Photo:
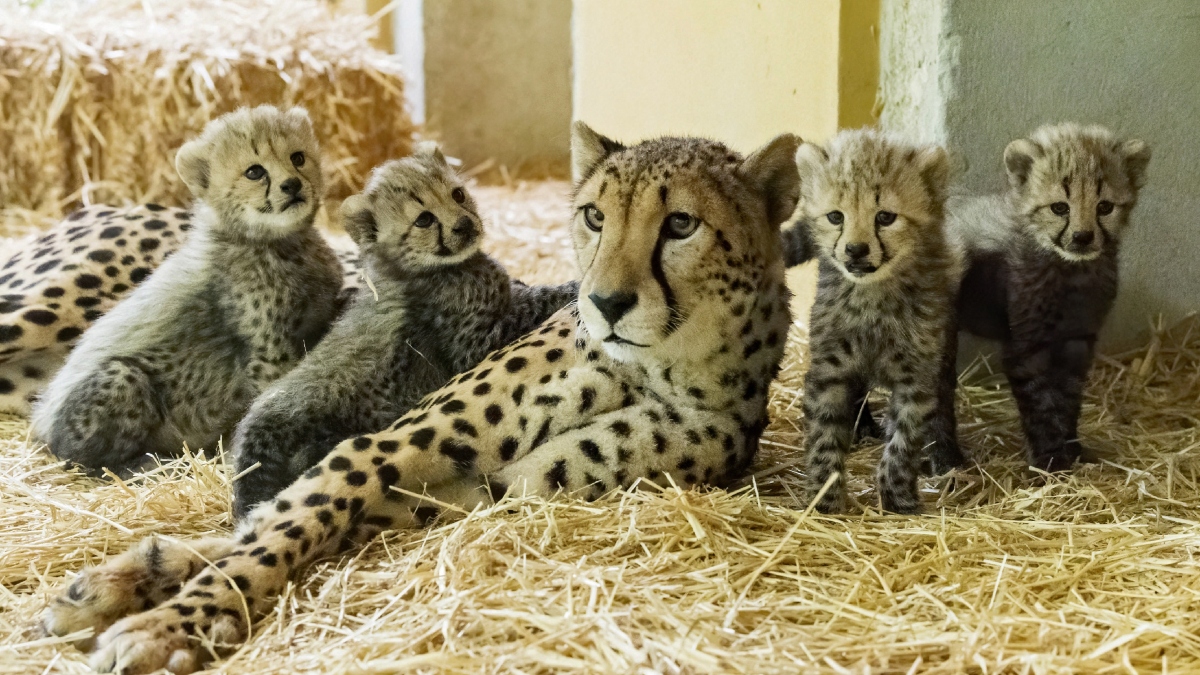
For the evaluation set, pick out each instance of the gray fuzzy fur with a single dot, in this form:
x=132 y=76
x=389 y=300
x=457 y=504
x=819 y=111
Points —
x=427 y=319
x=254 y=287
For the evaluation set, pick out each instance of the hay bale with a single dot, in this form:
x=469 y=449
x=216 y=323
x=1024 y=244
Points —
x=96 y=96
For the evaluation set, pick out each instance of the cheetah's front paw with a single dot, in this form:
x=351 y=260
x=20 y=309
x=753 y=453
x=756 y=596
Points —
x=157 y=639
x=137 y=580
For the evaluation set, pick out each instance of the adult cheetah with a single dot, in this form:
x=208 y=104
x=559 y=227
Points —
x=660 y=372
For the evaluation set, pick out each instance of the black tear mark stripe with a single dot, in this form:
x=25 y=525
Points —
x=660 y=276
x=883 y=252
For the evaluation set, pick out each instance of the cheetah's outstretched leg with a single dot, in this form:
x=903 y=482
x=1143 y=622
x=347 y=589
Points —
x=828 y=407
x=135 y=581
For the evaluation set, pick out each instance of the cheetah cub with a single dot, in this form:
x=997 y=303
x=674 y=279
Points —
x=180 y=360
x=439 y=305
x=1042 y=272
x=885 y=295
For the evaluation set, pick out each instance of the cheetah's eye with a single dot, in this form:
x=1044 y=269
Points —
x=297 y=159
x=424 y=220
x=836 y=217
x=885 y=218
x=1104 y=208
x=680 y=225
x=458 y=195
x=1060 y=208
x=255 y=172
x=593 y=218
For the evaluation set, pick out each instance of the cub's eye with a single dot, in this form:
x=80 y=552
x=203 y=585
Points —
x=1104 y=208
x=255 y=172
x=424 y=220
x=885 y=218
x=1060 y=208
x=680 y=225
x=836 y=217
x=593 y=217
x=297 y=159
x=458 y=195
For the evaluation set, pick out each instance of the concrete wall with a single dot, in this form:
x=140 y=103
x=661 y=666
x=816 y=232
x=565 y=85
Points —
x=498 y=81
x=734 y=70
x=979 y=74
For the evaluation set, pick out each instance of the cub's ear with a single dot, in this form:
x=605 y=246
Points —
x=192 y=164
x=1137 y=156
x=588 y=149
x=359 y=219
x=1018 y=160
x=300 y=116
x=810 y=157
x=771 y=169
x=430 y=150
x=933 y=163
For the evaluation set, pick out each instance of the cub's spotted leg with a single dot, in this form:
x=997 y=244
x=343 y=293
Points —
x=944 y=452
x=91 y=435
x=828 y=407
x=617 y=448
x=913 y=409
x=1048 y=385
x=138 y=579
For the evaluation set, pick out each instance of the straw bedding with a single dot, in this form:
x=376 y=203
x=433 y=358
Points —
x=96 y=95
x=1007 y=572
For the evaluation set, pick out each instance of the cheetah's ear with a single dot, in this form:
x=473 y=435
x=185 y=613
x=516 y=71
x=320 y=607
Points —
x=1137 y=156
x=1018 y=160
x=588 y=149
x=359 y=220
x=772 y=170
x=933 y=163
x=430 y=150
x=192 y=164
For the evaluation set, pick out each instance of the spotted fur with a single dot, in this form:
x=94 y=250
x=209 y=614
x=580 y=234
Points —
x=438 y=305
x=180 y=360
x=672 y=388
x=883 y=315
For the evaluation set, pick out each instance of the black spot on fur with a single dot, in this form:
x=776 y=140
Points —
x=340 y=463
x=518 y=394
x=493 y=414
x=139 y=274
x=111 y=232
x=557 y=475
x=591 y=451
x=462 y=454
x=508 y=448
x=482 y=389
x=388 y=476
x=361 y=443
x=515 y=364
x=316 y=499
x=388 y=447
x=102 y=256
x=65 y=335
x=423 y=437
x=40 y=317
x=453 y=407
x=356 y=479
x=554 y=355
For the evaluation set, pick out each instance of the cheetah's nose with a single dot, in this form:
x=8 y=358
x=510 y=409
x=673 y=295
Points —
x=857 y=250
x=613 y=307
x=1083 y=237
x=290 y=186
x=464 y=226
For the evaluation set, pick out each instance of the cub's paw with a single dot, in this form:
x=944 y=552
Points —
x=944 y=457
x=135 y=581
